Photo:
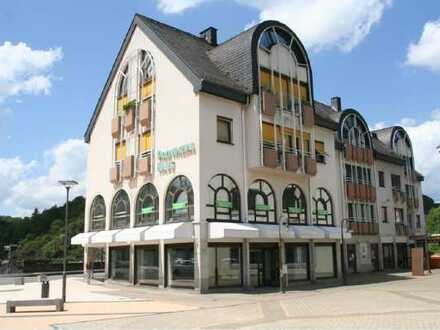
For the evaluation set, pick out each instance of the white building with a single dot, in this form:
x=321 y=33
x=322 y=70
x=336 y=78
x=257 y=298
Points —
x=211 y=165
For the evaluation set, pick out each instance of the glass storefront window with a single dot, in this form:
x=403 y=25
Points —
x=120 y=263
x=325 y=261
x=147 y=265
x=225 y=266
x=181 y=266
x=297 y=260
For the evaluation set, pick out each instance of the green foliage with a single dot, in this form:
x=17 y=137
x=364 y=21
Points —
x=433 y=221
x=41 y=236
x=129 y=105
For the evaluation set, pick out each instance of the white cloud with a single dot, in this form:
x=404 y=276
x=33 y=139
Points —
x=24 y=70
x=425 y=138
x=320 y=24
x=25 y=191
x=177 y=6
x=426 y=52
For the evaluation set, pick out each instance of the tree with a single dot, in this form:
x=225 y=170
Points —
x=433 y=221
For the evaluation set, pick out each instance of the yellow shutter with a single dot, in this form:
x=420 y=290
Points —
x=121 y=150
x=320 y=147
x=268 y=132
x=265 y=79
x=146 y=142
x=147 y=89
x=121 y=102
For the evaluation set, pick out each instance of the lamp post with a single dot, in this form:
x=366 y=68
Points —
x=344 y=262
x=67 y=184
x=282 y=224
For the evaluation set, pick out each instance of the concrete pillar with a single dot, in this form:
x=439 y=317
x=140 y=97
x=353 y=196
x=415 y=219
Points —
x=131 y=270
x=380 y=256
x=246 y=266
x=338 y=259
x=312 y=260
x=201 y=257
x=162 y=263
x=107 y=262
x=395 y=255
x=282 y=258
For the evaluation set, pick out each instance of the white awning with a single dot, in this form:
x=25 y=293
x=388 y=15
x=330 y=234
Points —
x=82 y=238
x=269 y=231
x=335 y=232
x=131 y=234
x=105 y=236
x=232 y=230
x=387 y=239
x=181 y=230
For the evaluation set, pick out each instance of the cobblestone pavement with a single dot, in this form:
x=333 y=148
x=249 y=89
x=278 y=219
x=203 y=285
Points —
x=374 y=301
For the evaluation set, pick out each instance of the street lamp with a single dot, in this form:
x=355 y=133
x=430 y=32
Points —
x=67 y=184
x=344 y=262
x=282 y=225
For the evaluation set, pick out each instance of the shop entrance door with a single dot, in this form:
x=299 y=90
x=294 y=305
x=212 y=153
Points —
x=375 y=256
x=351 y=258
x=264 y=266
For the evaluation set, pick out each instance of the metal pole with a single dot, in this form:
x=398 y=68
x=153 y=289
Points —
x=65 y=245
x=280 y=257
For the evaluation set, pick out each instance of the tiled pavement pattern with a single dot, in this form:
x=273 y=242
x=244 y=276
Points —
x=391 y=302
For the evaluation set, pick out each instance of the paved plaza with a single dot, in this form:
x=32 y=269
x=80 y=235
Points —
x=373 y=301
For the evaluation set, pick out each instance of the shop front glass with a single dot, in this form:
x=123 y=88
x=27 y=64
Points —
x=120 y=263
x=225 y=266
x=325 y=261
x=181 y=266
x=147 y=265
x=297 y=260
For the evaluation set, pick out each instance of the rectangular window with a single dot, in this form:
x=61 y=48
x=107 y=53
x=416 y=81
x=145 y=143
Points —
x=297 y=260
x=225 y=266
x=147 y=265
x=398 y=213
x=372 y=213
x=418 y=222
x=381 y=179
x=350 y=211
x=320 y=151
x=120 y=263
x=145 y=142
x=180 y=266
x=384 y=214
x=348 y=173
x=325 y=261
x=121 y=150
x=395 y=182
x=224 y=130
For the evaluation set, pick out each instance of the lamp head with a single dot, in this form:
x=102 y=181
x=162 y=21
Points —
x=68 y=183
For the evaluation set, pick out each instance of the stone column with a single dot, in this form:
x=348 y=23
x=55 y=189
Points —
x=312 y=260
x=380 y=256
x=339 y=259
x=107 y=262
x=201 y=257
x=131 y=270
x=245 y=261
x=162 y=263
x=395 y=255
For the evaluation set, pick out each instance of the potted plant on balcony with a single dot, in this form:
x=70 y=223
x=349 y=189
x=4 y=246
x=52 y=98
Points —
x=129 y=110
x=130 y=105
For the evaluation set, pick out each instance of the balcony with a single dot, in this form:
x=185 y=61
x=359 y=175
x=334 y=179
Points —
x=115 y=174
x=144 y=165
x=145 y=114
x=401 y=229
x=363 y=228
x=116 y=127
x=308 y=115
x=128 y=167
x=129 y=119
x=349 y=152
x=351 y=190
x=270 y=157
x=368 y=156
x=269 y=103
x=292 y=162
x=310 y=166
x=371 y=193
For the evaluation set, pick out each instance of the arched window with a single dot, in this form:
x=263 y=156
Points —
x=224 y=199
x=179 y=202
x=97 y=214
x=261 y=202
x=120 y=210
x=147 y=206
x=123 y=83
x=355 y=132
x=295 y=205
x=322 y=208
x=147 y=69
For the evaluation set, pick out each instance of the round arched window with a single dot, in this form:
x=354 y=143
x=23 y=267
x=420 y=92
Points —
x=224 y=199
x=120 y=210
x=295 y=205
x=322 y=208
x=147 y=206
x=261 y=202
x=179 y=202
x=97 y=214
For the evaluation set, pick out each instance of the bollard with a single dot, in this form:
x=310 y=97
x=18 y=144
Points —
x=44 y=286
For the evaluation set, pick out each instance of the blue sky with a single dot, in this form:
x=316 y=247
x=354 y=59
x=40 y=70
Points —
x=41 y=127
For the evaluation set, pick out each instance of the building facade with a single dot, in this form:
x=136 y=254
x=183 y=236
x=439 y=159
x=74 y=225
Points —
x=211 y=165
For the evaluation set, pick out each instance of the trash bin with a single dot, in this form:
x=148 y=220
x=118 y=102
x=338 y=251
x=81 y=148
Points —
x=44 y=286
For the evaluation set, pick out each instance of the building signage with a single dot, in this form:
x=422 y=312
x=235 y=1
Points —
x=262 y=207
x=148 y=210
x=223 y=204
x=167 y=158
x=296 y=210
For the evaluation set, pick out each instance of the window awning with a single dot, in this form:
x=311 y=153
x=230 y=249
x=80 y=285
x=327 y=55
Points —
x=219 y=230
x=82 y=238
x=268 y=231
x=335 y=232
x=181 y=230
x=105 y=236
x=131 y=234
x=306 y=232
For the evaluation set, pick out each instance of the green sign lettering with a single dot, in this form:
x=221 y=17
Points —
x=224 y=204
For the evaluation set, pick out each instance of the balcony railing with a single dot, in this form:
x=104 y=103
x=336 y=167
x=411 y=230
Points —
x=363 y=228
x=401 y=229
